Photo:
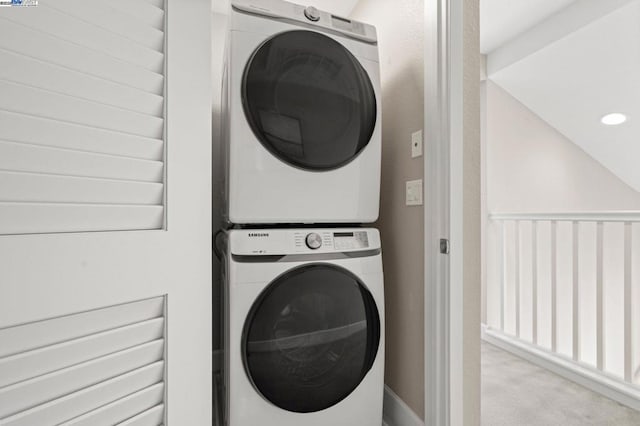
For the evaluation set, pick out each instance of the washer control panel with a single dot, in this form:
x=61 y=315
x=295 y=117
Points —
x=300 y=241
x=334 y=240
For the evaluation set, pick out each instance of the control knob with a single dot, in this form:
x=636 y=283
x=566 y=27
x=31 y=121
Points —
x=312 y=14
x=314 y=241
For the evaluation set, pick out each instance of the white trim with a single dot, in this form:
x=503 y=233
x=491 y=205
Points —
x=586 y=376
x=436 y=212
x=396 y=412
x=462 y=391
x=622 y=216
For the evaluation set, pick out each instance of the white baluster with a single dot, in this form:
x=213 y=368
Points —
x=503 y=281
x=554 y=292
x=534 y=281
x=628 y=305
x=576 y=290
x=599 y=297
x=516 y=282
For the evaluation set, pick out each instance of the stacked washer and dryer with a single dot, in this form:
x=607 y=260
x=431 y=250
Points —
x=303 y=283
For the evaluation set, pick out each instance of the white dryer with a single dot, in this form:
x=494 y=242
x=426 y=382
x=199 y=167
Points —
x=304 y=342
x=302 y=116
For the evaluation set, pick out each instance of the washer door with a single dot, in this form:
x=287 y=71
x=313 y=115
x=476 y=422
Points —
x=308 y=100
x=310 y=338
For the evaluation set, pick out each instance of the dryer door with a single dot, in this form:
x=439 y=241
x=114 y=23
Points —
x=308 y=100
x=311 y=337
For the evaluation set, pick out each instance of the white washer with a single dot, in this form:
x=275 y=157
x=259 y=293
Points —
x=304 y=340
x=301 y=114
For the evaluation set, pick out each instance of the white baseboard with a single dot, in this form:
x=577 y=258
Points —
x=396 y=412
x=584 y=375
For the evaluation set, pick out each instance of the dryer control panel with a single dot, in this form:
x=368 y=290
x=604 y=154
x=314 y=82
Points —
x=308 y=15
x=297 y=241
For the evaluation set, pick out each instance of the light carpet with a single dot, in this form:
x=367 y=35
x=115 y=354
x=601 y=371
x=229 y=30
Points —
x=516 y=392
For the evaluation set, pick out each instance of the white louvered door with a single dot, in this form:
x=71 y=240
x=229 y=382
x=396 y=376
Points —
x=82 y=116
x=105 y=213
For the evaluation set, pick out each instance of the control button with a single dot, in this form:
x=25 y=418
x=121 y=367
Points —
x=314 y=241
x=312 y=14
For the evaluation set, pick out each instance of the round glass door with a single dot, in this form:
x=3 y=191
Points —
x=308 y=100
x=310 y=338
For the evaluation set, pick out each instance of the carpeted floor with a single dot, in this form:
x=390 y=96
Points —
x=518 y=393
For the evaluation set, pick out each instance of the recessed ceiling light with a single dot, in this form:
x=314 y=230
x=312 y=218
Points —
x=613 y=119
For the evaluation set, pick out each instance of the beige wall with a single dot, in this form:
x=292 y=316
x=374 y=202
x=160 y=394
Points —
x=400 y=26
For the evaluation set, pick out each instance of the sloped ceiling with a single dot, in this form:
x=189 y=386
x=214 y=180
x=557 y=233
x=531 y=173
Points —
x=590 y=67
x=502 y=20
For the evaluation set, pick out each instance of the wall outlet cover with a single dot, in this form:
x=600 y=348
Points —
x=414 y=192
x=416 y=144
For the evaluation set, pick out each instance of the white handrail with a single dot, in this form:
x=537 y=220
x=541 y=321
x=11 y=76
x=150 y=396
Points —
x=618 y=216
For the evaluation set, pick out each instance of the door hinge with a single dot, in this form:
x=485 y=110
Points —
x=444 y=246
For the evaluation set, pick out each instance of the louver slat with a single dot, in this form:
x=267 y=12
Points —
x=30 y=393
x=122 y=409
x=46 y=132
x=104 y=15
x=38 y=188
x=38 y=334
x=77 y=403
x=33 y=218
x=66 y=27
x=29 y=71
x=150 y=417
x=69 y=109
x=20 y=157
x=36 y=362
x=38 y=45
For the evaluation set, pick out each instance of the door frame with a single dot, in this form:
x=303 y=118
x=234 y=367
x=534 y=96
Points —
x=436 y=212
x=452 y=136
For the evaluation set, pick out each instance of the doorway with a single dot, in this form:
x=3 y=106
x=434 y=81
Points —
x=560 y=213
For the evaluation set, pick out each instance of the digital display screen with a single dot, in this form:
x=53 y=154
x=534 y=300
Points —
x=343 y=234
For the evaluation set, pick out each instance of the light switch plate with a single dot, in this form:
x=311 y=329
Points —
x=414 y=192
x=416 y=144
